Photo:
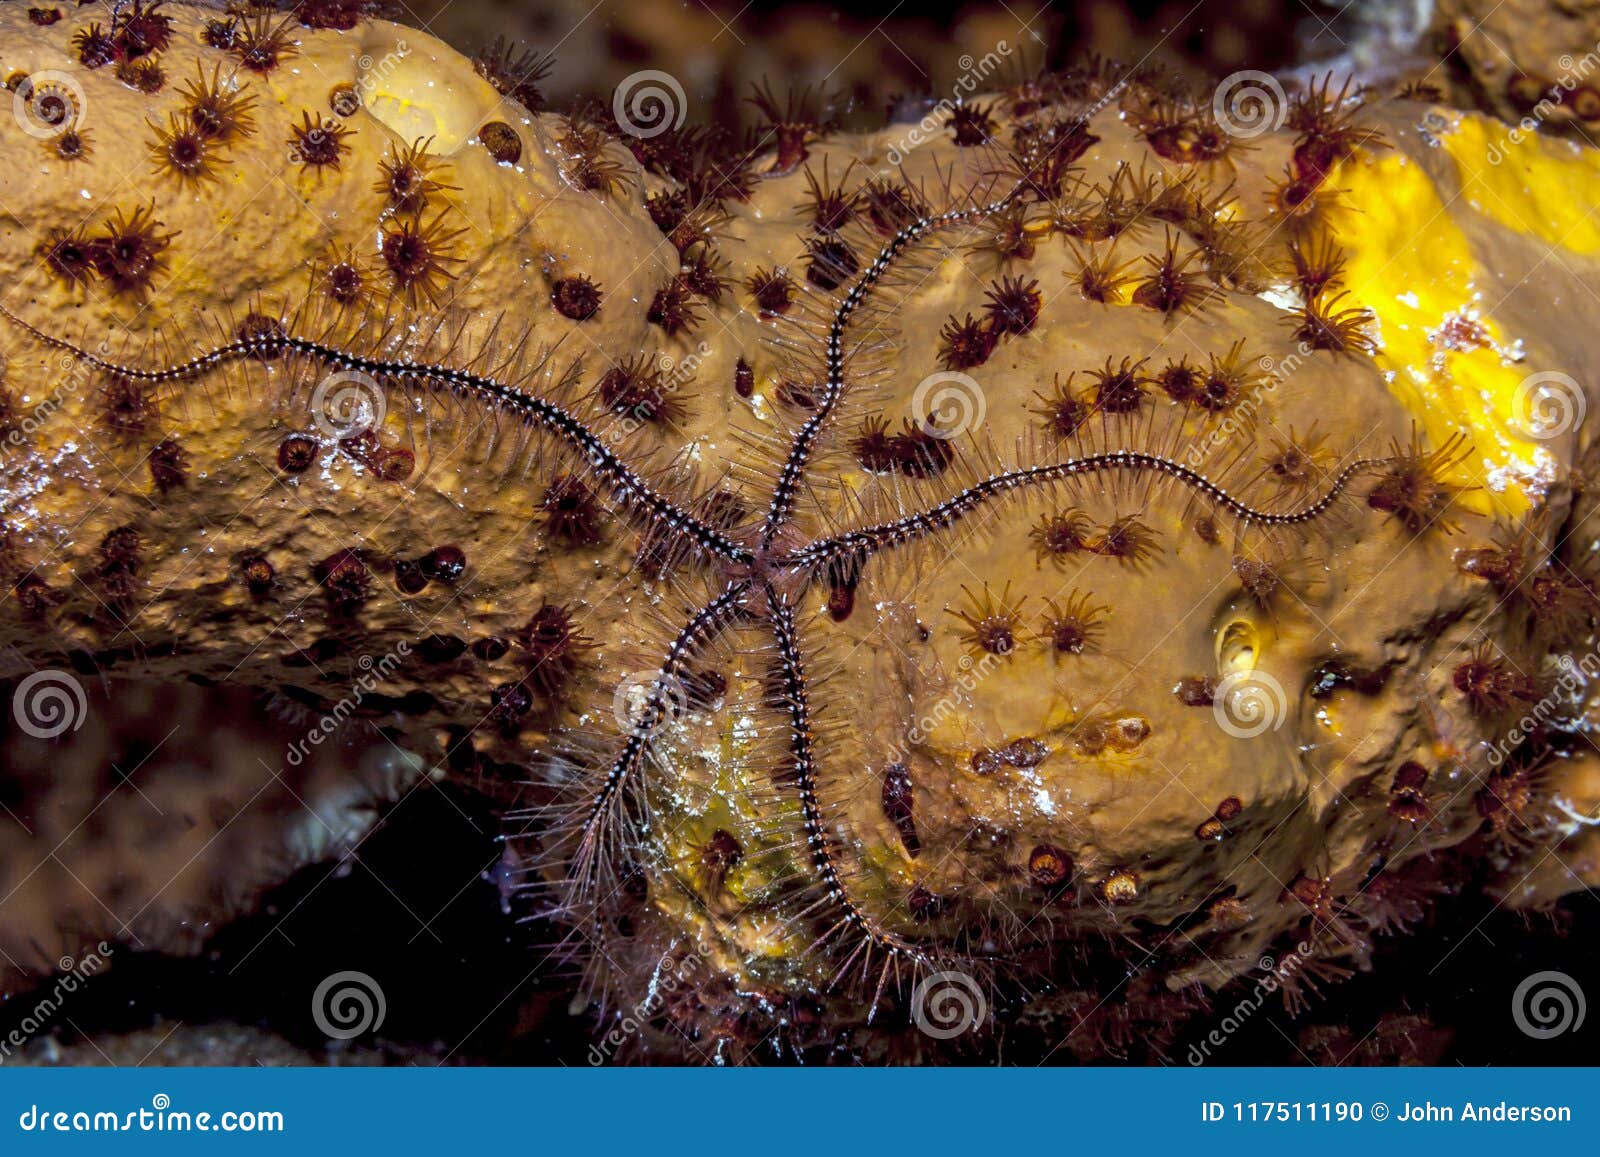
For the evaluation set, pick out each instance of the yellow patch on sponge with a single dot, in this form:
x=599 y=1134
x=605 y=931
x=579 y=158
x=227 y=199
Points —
x=1530 y=183
x=1441 y=351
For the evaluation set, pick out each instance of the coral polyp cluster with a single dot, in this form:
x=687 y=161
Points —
x=1146 y=616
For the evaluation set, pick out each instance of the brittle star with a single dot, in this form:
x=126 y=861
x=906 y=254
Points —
x=764 y=572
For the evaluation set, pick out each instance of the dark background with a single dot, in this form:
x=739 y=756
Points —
x=1435 y=997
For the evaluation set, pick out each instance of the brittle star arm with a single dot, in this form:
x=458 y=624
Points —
x=805 y=439
x=850 y=916
x=703 y=626
x=849 y=549
x=631 y=490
